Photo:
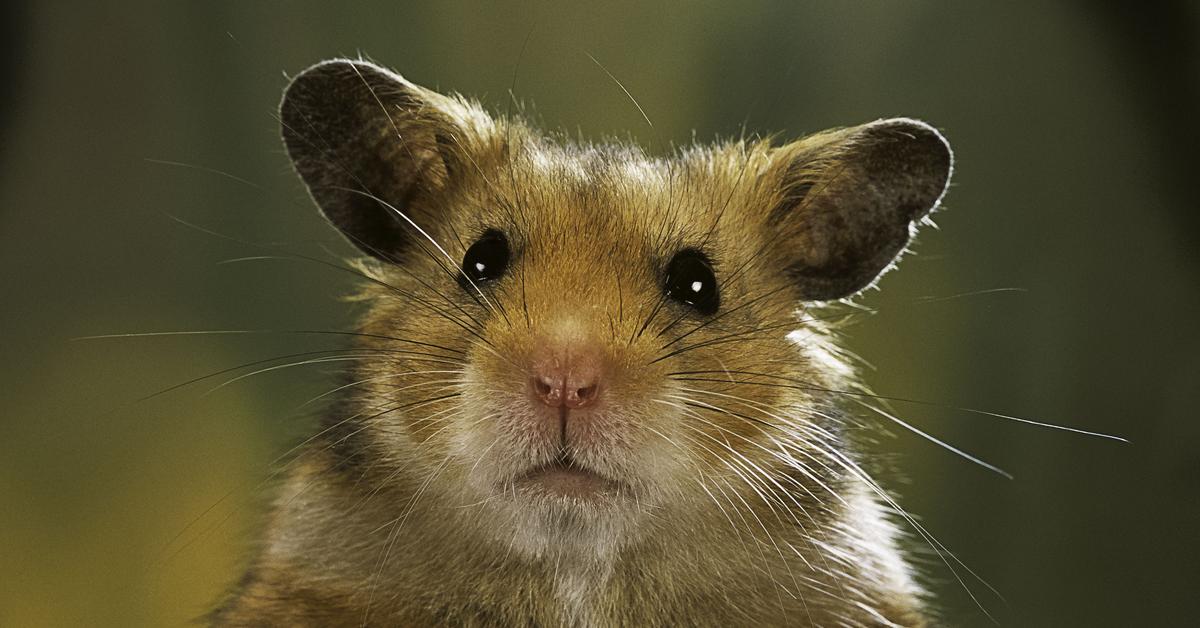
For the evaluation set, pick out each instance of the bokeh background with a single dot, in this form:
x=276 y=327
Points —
x=1076 y=132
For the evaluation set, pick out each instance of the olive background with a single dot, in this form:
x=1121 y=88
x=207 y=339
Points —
x=1076 y=133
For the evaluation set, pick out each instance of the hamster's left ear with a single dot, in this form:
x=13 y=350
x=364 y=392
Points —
x=850 y=200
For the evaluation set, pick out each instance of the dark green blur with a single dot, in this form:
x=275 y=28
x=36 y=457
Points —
x=1076 y=137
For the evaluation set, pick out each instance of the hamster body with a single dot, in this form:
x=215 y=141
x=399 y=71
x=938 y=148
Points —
x=591 y=387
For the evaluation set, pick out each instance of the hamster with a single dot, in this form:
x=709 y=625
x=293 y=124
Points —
x=591 y=387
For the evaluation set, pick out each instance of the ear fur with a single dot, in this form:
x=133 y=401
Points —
x=370 y=145
x=851 y=200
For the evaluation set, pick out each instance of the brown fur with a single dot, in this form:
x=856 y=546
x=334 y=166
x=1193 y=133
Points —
x=742 y=501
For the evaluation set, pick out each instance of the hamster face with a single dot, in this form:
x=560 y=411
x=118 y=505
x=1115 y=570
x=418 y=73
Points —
x=573 y=343
x=573 y=392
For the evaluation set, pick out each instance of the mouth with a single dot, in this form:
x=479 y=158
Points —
x=564 y=477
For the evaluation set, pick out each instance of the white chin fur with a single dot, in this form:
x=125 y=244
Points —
x=555 y=527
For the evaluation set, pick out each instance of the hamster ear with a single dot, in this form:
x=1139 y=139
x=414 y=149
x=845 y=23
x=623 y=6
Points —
x=371 y=146
x=851 y=199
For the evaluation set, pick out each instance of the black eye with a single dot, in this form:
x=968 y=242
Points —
x=487 y=259
x=690 y=280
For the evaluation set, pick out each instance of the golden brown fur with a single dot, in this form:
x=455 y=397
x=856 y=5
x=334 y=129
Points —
x=741 y=499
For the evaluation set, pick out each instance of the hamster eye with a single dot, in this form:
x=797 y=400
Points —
x=487 y=259
x=690 y=280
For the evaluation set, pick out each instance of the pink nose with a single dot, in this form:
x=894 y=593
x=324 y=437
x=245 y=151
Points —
x=570 y=379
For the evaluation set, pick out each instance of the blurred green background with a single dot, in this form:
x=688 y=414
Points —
x=1075 y=127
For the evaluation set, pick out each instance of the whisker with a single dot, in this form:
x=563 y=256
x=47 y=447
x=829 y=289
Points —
x=935 y=440
x=408 y=296
x=799 y=467
x=962 y=295
x=425 y=234
x=619 y=84
x=232 y=369
x=788 y=463
x=231 y=332
x=363 y=245
x=801 y=385
x=375 y=379
x=325 y=360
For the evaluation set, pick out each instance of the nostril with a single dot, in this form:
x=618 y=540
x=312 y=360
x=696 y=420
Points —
x=585 y=395
x=548 y=390
x=579 y=396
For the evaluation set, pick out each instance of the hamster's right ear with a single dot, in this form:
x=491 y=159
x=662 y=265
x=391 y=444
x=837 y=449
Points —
x=850 y=201
x=375 y=150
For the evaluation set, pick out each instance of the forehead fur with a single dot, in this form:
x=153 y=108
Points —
x=612 y=201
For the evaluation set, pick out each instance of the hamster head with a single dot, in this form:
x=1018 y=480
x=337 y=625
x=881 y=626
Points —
x=567 y=342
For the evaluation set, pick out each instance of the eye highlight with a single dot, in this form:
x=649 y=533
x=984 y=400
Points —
x=691 y=281
x=487 y=259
